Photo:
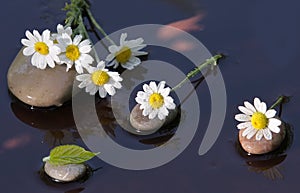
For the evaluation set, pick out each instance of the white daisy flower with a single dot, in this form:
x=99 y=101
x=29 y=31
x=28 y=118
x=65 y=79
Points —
x=41 y=48
x=75 y=51
x=155 y=100
x=257 y=120
x=101 y=80
x=60 y=30
x=126 y=53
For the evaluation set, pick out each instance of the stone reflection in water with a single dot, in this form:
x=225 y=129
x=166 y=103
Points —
x=163 y=140
x=269 y=164
x=44 y=118
x=60 y=137
x=106 y=116
x=162 y=137
x=58 y=123
x=76 y=190
x=270 y=168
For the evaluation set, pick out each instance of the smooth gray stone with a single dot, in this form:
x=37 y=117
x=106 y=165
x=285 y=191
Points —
x=65 y=173
x=145 y=126
x=39 y=88
x=143 y=123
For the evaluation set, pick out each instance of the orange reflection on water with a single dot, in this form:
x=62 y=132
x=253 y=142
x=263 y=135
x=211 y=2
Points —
x=15 y=142
x=188 y=25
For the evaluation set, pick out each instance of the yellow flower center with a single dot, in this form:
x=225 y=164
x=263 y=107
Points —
x=123 y=55
x=156 y=100
x=259 y=120
x=41 y=48
x=100 y=77
x=72 y=52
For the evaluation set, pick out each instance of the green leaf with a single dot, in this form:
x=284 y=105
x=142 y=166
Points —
x=69 y=154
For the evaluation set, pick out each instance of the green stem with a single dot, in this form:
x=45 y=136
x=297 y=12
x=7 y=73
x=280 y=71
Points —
x=212 y=61
x=93 y=20
x=85 y=32
x=279 y=101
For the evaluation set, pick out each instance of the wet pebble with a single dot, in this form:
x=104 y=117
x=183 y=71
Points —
x=143 y=123
x=263 y=146
x=65 y=173
x=39 y=88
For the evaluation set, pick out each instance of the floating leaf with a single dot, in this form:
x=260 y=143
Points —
x=69 y=154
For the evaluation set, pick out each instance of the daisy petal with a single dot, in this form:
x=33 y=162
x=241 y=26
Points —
x=245 y=110
x=165 y=91
x=147 y=89
x=274 y=129
x=153 y=114
x=110 y=89
x=30 y=36
x=27 y=42
x=146 y=111
x=46 y=35
x=85 y=42
x=109 y=57
x=122 y=38
x=251 y=134
x=37 y=35
x=267 y=134
x=249 y=106
x=50 y=61
x=161 y=86
x=153 y=86
x=28 y=51
x=259 y=135
x=274 y=122
x=257 y=104
x=77 y=39
x=242 y=117
x=247 y=131
x=102 y=92
x=113 y=49
x=263 y=107
x=270 y=113
x=244 y=125
x=85 y=49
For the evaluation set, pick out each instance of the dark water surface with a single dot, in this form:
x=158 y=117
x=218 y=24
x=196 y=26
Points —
x=261 y=39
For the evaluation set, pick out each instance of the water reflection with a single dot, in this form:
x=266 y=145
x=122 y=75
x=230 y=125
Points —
x=187 y=25
x=15 y=142
x=268 y=164
x=76 y=190
x=60 y=137
x=270 y=168
x=106 y=116
x=46 y=119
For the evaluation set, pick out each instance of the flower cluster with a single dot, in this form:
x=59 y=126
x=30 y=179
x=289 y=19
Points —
x=60 y=48
x=48 y=49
